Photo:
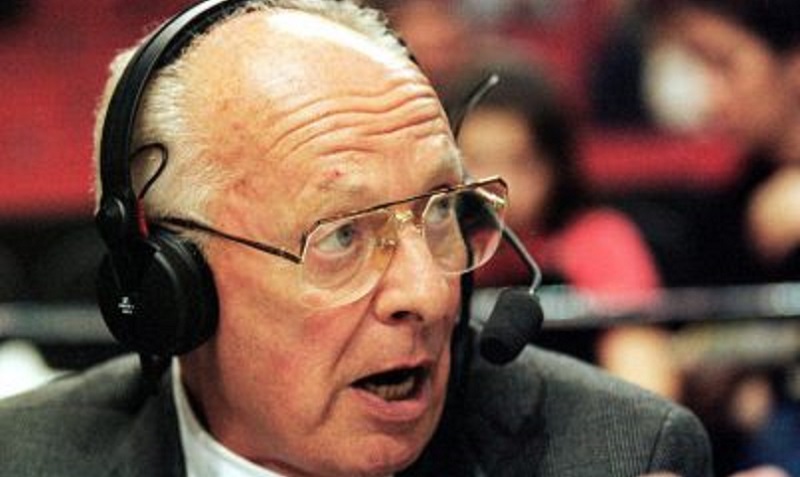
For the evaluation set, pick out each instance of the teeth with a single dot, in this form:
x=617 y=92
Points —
x=393 y=392
x=393 y=385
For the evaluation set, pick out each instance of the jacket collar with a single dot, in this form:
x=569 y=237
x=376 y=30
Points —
x=494 y=428
x=504 y=416
x=152 y=447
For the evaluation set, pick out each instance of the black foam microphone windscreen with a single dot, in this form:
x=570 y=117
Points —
x=515 y=320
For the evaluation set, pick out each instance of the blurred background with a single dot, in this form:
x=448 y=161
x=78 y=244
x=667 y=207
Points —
x=665 y=214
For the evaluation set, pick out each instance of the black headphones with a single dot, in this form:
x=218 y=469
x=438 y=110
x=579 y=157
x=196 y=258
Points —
x=155 y=290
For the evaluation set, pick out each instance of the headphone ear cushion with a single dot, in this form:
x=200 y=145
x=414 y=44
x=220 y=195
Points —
x=173 y=310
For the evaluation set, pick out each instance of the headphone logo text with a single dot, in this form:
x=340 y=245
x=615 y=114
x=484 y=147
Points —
x=126 y=306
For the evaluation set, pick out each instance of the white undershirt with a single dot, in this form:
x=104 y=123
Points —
x=205 y=456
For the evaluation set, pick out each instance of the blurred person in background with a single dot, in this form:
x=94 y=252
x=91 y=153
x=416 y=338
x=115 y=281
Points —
x=640 y=79
x=523 y=131
x=750 y=50
x=736 y=402
x=441 y=38
x=750 y=231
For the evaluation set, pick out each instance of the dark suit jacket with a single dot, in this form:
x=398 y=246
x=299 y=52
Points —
x=543 y=415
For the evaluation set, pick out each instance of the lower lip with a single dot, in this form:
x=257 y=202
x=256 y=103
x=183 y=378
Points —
x=402 y=411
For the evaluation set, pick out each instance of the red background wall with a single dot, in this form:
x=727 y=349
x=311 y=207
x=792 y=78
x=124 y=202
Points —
x=54 y=58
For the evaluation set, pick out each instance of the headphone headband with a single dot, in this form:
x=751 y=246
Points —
x=118 y=208
x=155 y=290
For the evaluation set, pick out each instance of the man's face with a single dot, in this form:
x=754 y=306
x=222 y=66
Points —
x=749 y=87
x=321 y=123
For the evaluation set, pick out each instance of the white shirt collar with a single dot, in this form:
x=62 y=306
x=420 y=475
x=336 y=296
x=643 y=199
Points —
x=204 y=455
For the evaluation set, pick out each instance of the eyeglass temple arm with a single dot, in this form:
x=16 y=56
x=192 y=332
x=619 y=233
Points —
x=189 y=224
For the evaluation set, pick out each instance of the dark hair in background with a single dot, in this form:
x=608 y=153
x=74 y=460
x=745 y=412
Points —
x=528 y=92
x=13 y=11
x=777 y=22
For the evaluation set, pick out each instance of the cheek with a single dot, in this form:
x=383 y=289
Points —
x=264 y=328
x=266 y=340
x=267 y=323
x=279 y=365
x=747 y=94
x=528 y=195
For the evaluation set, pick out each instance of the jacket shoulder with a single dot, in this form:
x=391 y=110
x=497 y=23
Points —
x=74 y=424
x=113 y=385
x=559 y=416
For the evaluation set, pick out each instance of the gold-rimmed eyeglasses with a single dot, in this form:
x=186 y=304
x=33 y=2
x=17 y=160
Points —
x=343 y=257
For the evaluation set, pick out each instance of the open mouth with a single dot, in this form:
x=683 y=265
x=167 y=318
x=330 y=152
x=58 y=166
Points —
x=394 y=385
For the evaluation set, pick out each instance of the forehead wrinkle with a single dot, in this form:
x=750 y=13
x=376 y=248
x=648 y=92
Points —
x=351 y=116
x=346 y=171
x=439 y=171
x=230 y=97
x=243 y=114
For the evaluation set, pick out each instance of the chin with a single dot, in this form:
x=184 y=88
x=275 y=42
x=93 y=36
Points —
x=377 y=458
x=380 y=455
x=383 y=460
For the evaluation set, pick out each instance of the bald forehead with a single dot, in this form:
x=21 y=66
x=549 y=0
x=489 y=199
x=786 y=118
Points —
x=299 y=27
x=270 y=62
x=295 y=45
x=287 y=100
x=261 y=75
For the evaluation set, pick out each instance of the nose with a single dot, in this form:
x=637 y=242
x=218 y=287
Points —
x=413 y=286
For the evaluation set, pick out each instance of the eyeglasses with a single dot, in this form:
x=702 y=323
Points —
x=342 y=258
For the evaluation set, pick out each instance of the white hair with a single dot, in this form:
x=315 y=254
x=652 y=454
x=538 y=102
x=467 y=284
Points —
x=192 y=177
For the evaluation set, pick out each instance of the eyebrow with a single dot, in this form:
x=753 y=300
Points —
x=344 y=196
x=451 y=162
x=445 y=167
x=431 y=192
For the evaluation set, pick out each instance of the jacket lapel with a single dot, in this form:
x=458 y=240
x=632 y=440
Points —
x=504 y=417
x=490 y=430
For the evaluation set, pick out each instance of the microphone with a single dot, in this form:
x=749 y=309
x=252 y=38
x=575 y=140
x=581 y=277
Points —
x=517 y=315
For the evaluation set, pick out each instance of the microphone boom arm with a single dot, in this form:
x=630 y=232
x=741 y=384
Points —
x=533 y=268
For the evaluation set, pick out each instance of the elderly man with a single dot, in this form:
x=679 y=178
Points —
x=316 y=323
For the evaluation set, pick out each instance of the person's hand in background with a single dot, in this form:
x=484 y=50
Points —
x=762 y=471
x=772 y=219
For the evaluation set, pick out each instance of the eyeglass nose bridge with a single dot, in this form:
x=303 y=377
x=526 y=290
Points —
x=398 y=218
x=403 y=216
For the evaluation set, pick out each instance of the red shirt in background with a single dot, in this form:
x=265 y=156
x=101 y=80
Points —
x=600 y=251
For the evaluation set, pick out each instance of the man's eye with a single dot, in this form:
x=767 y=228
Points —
x=441 y=209
x=339 y=239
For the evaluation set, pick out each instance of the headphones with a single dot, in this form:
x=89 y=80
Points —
x=155 y=290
